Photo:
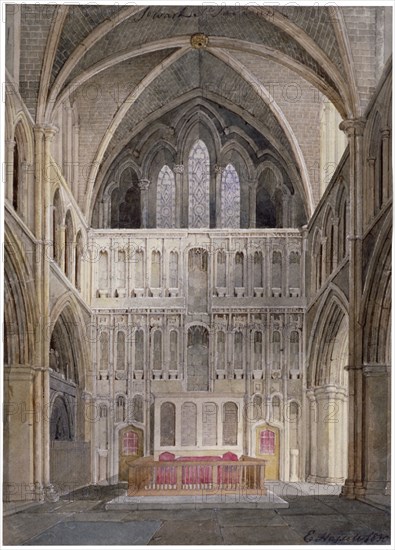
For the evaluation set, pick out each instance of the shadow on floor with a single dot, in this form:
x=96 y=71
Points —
x=80 y=518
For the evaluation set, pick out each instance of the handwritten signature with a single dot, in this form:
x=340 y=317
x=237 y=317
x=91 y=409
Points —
x=329 y=538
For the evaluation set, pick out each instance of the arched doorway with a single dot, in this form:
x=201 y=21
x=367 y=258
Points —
x=267 y=447
x=328 y=392
x=61 y=428
x=131 y=441
x=67 y=429
x=19 y=336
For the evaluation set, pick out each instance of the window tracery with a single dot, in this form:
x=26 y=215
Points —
x=199 y=185
x=230 y=198
x=166 y=197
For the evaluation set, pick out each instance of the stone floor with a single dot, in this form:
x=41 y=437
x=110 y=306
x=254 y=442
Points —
x=315 y=516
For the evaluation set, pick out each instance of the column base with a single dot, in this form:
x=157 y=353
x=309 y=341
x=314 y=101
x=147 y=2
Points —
x=51 y=494
x=352 y=489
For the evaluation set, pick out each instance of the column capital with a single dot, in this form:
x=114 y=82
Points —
x=385 y=132
x=371 y=161
x=144 y=184
x=353 y=126
x=50 y=131
x=219 y=168
x=10 y=144
x=178 y=168
x=47 y=130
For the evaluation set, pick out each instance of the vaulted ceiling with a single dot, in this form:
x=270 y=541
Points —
x=125 y=65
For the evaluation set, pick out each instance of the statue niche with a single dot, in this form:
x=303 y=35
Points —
x=126 y=202
x=198 y=354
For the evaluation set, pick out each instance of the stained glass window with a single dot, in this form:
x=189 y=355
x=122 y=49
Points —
x=267 y=442
x=199 y=185
x=130 y=443
x=166 y=198
x=230 y=198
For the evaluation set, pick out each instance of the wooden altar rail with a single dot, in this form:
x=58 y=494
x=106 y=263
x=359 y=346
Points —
x=149 y=477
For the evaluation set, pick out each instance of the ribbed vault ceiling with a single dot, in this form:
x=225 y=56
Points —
x=142 y=61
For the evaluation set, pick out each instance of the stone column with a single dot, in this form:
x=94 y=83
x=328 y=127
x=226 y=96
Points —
x=42 y=225
x=178 y=170
x=22 y=205
x=370 y=195
x=218 y=181
x=101 y=213
x=9 y=167
x=335 y=248
x=49 y=133
x=68 y=144
x=324 y=273
x=294 y=475
x=313 y=435
x=178 y=434
x=39 y=426
x=76 y=164
x=327 y=463
x=228 y=273
x=144 y=186
x=286 y=210
x=354 y=129
x=385 y=136
x=199 y=423
x=252 y=214
x=62 y=244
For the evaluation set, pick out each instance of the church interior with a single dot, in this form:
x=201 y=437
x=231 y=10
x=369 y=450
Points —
x=197 y=249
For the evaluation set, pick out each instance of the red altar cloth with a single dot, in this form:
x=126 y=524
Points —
x=194 y=474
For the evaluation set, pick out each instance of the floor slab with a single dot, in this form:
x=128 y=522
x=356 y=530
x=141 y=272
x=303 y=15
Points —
x=188 y=533
x=307 y=505
x=98 y=534
x=249 y=517
x=314 y=520
x=20 y=527
x=260 y=535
